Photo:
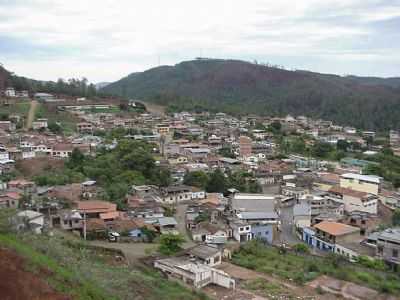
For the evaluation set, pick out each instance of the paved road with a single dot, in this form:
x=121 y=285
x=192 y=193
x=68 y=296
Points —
x=180 y=218
x=287 y=234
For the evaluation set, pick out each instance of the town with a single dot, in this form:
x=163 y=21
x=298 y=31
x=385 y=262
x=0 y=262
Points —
x=203 y=197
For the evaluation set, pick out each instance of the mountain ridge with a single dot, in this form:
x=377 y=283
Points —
x=240 y=87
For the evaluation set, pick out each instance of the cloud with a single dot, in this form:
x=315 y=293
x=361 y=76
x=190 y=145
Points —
x=106 y=40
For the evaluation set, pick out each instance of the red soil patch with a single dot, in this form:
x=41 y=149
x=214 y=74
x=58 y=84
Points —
x=18 y=284
x=36 y=166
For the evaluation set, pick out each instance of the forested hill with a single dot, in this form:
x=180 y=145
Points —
x=71 y=87
x=240 y=87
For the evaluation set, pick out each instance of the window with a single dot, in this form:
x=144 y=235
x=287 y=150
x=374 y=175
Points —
x=247 y=227
x=240 y=228
x=363 y=222
x=267 y=232
x=395 y=253
x=380 y=249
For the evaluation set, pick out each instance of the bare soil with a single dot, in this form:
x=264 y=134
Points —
x=17 y=283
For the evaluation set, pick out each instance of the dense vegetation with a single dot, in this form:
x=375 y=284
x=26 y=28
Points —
x=218 y=182
x=303 y=267
x=388 y=166
x=130 y=163
x=224 y=85
x=71 y=87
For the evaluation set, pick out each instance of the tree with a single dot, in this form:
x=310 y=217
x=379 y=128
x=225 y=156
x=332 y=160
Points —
x=197 y=178
x=170 y=243
x=275 y=126
x=226 y=152
x=55 y=128
x=396 y=217
x=321 y=149
x=342 y=145
x=217 y=182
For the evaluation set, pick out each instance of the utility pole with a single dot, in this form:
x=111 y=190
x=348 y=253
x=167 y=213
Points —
x=84 y=226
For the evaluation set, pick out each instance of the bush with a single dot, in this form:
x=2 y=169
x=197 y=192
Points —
x=301 y=248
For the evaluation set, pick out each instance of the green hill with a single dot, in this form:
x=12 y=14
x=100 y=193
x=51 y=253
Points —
x=240 y=87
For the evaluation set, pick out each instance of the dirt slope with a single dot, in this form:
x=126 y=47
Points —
x=19 y=284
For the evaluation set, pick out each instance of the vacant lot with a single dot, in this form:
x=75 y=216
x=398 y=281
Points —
x=304 y=268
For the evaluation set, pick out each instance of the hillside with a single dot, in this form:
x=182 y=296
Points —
x=65 y=268
x=240 y=87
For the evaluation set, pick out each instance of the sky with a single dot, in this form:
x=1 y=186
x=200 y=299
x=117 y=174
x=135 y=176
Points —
x=105 y=40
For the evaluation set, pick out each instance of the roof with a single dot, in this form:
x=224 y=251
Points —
x=165 y=221
x=347 y=192
x=336 y=229
x=390 y=234
x=302 y=209
x=109 y=215
x=30 y=214
x=255 y=215
x=96 y=206
x=95 y=224
x=253 y=202
x=203 y=251
x=367 y=178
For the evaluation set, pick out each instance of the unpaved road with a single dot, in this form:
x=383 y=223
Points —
x=180 y=218
x=31 y=114
x=132 y=251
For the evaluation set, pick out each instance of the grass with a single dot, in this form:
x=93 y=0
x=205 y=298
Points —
x=67 y=120
x=304 y=268
x=62 y=279
x=86 y=273
x=267 y=289
x=20 y=108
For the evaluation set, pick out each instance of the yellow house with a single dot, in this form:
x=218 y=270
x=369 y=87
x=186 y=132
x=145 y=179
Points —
x=363 y=183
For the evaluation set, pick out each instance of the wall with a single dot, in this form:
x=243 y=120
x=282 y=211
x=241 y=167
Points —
x=357 y=186
x=264 y=232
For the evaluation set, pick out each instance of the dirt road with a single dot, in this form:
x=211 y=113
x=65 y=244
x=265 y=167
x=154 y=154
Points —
x=132 y=251
x=154 y=108
x=31 y=114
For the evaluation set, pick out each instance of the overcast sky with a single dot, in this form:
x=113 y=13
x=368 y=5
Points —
x=106 y=40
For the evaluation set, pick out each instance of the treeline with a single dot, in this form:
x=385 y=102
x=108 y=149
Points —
x=72 y=87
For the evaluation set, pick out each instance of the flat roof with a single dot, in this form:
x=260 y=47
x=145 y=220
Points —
x=368 y=178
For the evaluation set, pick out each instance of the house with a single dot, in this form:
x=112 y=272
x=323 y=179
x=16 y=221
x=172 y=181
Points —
x=164 y=224
x=39 y=124
x=241 y=202
x=336 y=237
x=388 y=245
x=30 y=220
x=93 y=208
x=354 y=200
x=301 y=215
x=69 y=220
x=365 y=221
x=84 y=127
x=210 y=233
x=62 y=150
x=241 y=231
x=364 y=183
x=192 y=273
x=10 y=92
x=7 y=126
x=176 y=194
x=43 y=97
x=206 y=254
x=25 y=186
